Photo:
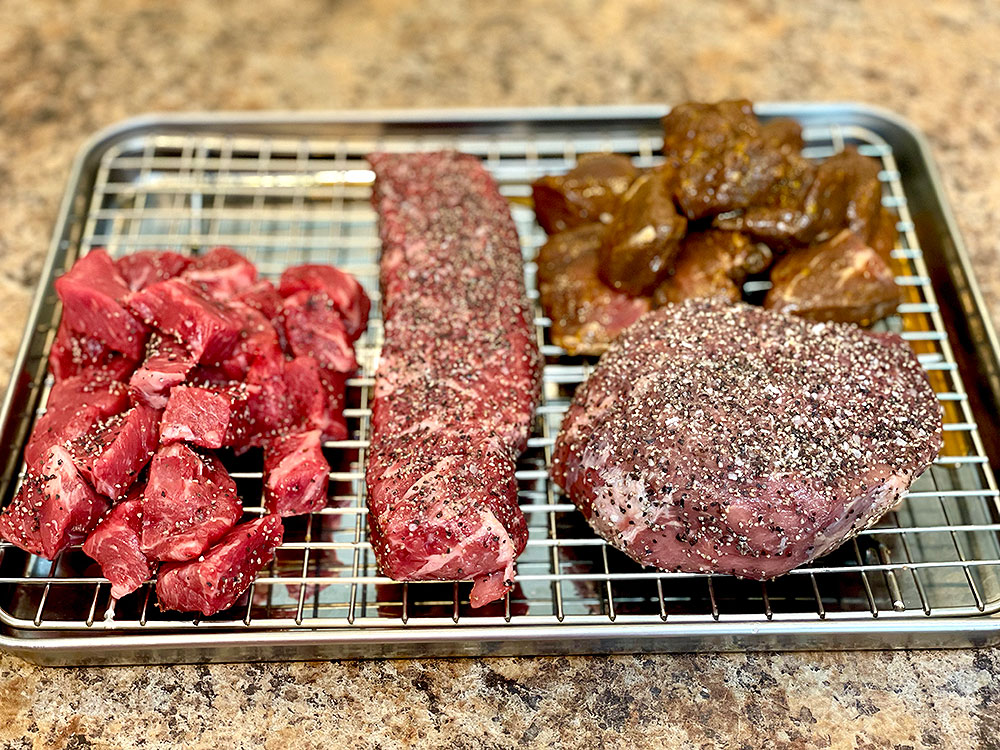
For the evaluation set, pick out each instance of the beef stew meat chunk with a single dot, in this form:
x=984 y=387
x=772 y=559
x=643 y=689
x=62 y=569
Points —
x=586 y=313
x=638 y=249
x=713 y=263
x=113 y=452
x=75 y=353
x=220 y=273
x=147 y=267
x=723 y=157
x=114 y=544
x=297 y=474
x=167 y=364
x=783 y=133
x=590 y=192
x=841 y=280
x=345 y=292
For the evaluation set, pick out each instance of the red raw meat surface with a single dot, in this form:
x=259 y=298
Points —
x=296 y=474
x=115 y=450
x=73 y=407
x=78 y=354
x=215 y=581
x=313 y=328
x=210 y=330
x=317 y=397
x=220 y=273
x=167 y=364
x=145 y=267
x=93 y=294
x=189 y=502
x=53 y=508
x=348 y=296
x=198 y=415
x=114 y=544
x=263 y=298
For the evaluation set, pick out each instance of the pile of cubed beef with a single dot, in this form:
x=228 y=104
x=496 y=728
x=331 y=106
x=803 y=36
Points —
x=161 y=359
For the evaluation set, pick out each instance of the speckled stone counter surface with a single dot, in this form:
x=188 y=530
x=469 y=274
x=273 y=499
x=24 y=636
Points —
x=69 y=68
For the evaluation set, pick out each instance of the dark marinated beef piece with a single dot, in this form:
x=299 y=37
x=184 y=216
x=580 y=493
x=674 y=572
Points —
x=313 y=328
x=296 y=474
x=841 y=192
x=590 y=192
x=221 y=273
x=78 y=354
x=642 y=240
x=200 y=416
x=348 y=296
x=150 y=266
x=713 y=263
x=114 y=544
x=883 y=239
x=842 y=280
x=167 y=364
x=208 y=329
x=74 y=406
x=113 y=452
x=189 y=502
x=214 y=583
x=263 y=298
x=586 y=313
x=724 y=160
x=54 y=507
x=783 y=133
x=93 y=294
x=731 y=439
x=460 y=361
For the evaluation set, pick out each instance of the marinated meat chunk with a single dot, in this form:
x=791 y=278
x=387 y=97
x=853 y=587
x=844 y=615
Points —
x=74 y=406
x=730 y=439
x=200 y=416
x=713 y=263
x=783 y=133
x=642 y=240
x=313 y=328
x=590 y=192
x=841 y=280
x=216 y=581
x=147 y=267
x=54 y=507
x=114 y=545
x=220 y=273
x=79 y=354
x=167 y=364
x=296 y=474
x=189 y=502
x=209 y=330
x=348 y=296
x=113 y=452
x=586 y=313
x=724 y=159
x=93 y=294
x=816 y=203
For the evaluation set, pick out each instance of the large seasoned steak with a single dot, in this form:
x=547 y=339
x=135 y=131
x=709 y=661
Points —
x=731 y=439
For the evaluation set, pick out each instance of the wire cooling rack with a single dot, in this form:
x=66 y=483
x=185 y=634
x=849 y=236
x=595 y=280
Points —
x=283 y=200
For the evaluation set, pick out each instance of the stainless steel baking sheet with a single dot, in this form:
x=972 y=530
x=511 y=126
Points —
x=287 y=189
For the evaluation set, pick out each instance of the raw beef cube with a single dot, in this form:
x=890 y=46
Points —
x=221 y=273
x=317 y=396
x=92 y=293
x=199 y=415
x=207 y=328
x=189 y=502
x=313 y=328
x=349 y=298
x=214 y=582
x=78 y=354
x=113 y=452
x=54 y=508
x=114 y=544
x=167 y=364
x=150 y=266
x=263 y=298
x=258 y=338
x=74 y=406
x=269 y=407
x=297 y=474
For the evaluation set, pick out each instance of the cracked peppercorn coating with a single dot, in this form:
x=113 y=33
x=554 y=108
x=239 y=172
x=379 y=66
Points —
x=458 y=378
x=731 y=439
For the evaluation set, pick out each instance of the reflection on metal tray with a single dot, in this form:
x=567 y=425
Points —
x=293 y=189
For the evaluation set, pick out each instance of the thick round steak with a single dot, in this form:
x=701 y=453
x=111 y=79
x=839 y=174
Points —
x=732 y=439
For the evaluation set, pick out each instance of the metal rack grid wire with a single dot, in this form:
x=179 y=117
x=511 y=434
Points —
x=283 y=201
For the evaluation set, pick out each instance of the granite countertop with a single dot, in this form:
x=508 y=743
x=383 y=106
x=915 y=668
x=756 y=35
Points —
x=71 y=68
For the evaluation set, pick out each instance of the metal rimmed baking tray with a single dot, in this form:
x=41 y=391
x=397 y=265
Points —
x=286 y=189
